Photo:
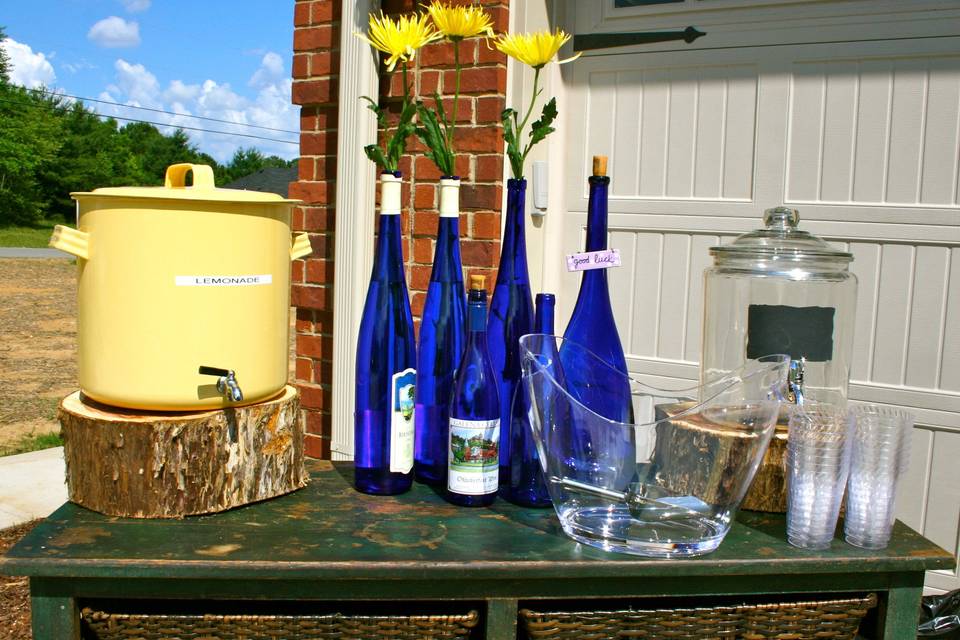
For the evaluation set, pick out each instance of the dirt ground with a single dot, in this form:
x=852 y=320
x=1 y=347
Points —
x=38 y=344
x=14 y=591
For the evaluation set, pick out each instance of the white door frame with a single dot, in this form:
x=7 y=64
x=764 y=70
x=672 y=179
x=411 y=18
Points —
x=354 y=203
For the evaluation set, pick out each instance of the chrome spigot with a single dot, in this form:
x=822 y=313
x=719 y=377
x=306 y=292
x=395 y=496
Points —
x=795 y=381
x=226 y=382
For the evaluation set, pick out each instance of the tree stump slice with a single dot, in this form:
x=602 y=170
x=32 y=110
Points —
x=146 y=464
x=684 y=442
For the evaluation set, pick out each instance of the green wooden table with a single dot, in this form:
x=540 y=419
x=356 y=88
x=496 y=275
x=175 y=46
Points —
x=329 y=543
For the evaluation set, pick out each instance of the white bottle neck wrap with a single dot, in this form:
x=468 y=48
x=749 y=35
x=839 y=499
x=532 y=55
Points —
x=449 y=198
x=389 y=194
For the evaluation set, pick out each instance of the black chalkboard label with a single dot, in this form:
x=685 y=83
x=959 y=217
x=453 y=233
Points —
x=800 y=332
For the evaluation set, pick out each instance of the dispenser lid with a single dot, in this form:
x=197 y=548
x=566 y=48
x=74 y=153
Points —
x=780 y=238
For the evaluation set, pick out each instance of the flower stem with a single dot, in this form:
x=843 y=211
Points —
x=533 y=100
x=456 y=96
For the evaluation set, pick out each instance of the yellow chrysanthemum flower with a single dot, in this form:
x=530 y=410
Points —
x=459 y=22
x=399 y=38
x=534 y=49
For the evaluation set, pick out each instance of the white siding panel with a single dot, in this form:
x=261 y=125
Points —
x=806 y=133
x=866 y=266
x=873 y=130
x=939 y=178
x=926 y=318
x=840 y=111
x=682 y=133
x=913 y=486
x=603 y=101
x=740 y=134
x=944 y=494
x=655 y=121
x=906 y=131
x=893 y=312
x=950 y=361
x=622 y=280
x=625 y=161
x=673 y=296
x=700 y=259
x=646 y=296
x=711 y=116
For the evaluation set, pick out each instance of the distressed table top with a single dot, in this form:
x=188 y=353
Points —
x=328 y=530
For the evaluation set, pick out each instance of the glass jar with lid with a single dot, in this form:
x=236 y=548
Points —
x=782 y=290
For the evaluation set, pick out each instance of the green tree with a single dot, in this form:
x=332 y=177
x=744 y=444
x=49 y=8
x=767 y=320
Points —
x=30 y=138
x=4 y=59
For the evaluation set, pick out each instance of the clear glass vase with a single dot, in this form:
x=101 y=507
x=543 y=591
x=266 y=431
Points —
x=511 y=314
x=667 y=484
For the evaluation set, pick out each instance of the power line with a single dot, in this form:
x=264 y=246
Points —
x=171 y=113
x=175 y=126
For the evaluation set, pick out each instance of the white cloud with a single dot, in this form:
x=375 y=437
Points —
x=270 y=107
x=114 y=32
x=271 y=69
x=139 y=85
x=135 y=6
x=27 y=68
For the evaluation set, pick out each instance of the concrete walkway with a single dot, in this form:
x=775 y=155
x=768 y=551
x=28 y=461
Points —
x=21 y=252
x=31 y=485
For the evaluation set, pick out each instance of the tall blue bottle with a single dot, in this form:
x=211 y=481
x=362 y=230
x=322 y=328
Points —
x=526 y=475
x=511 y=311
x=592 y=324
x=386 y=357
x=474 y=436
x=443 y=335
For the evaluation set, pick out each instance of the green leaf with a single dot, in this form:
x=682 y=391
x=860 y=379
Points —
x=431 y=134
x=541 y=128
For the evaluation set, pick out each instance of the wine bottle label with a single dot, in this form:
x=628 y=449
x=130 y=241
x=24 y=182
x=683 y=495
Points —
x=593 y=260
x=473 y=456
x=401 y=420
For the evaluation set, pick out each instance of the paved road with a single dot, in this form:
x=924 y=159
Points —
x=19 y=252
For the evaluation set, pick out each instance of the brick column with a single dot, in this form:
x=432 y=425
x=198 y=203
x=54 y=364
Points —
x=479 y=162
x=316 y=64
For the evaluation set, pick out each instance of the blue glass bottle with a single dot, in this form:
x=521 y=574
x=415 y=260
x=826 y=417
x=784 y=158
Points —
x=443 y=335
x=592 y=324
x=473 y=470
x=526 y=486
x=386 y=357
x=511 y=310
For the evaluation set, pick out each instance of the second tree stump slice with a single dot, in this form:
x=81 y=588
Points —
x=147 y=464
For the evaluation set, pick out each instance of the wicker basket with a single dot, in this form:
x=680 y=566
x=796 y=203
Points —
x=808 y=620
x=101 y=625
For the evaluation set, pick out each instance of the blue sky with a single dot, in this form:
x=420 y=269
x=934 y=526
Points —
x=212 y=58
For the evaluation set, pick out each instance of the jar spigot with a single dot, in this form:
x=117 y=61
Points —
x=226 y=382
x=795 y=381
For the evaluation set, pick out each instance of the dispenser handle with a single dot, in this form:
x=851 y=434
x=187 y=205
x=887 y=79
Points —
x=176 y=176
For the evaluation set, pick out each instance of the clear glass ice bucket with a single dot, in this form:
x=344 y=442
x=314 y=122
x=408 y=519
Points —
x=667 y=485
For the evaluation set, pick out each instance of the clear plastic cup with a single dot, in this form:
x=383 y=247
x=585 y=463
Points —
x=818 y=461
x=880 y=454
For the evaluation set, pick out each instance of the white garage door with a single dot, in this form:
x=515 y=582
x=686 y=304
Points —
x=847 y=111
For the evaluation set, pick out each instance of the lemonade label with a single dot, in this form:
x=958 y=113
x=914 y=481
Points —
x=473 y=463
x=401 y=420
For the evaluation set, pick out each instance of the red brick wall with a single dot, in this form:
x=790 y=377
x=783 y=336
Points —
x=479 y=162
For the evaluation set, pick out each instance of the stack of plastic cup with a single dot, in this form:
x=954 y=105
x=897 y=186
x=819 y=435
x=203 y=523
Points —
x=880 y=454
x=818 y=460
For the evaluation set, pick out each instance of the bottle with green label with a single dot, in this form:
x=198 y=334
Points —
x=473 y=452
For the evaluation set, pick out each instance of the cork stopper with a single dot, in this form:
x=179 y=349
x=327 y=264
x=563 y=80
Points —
x=599 y=165
x=478 y=282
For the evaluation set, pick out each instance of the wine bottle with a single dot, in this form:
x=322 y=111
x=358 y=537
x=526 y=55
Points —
x=386 y=355
x=526 y=486
x=443 y=334
x=605 y=390
x=511 y=311
x=474 y=436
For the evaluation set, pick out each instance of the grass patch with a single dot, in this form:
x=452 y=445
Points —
x=34 y=237
x=33 y=442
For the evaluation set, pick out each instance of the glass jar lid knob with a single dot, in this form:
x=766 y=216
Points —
x=782 y=218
